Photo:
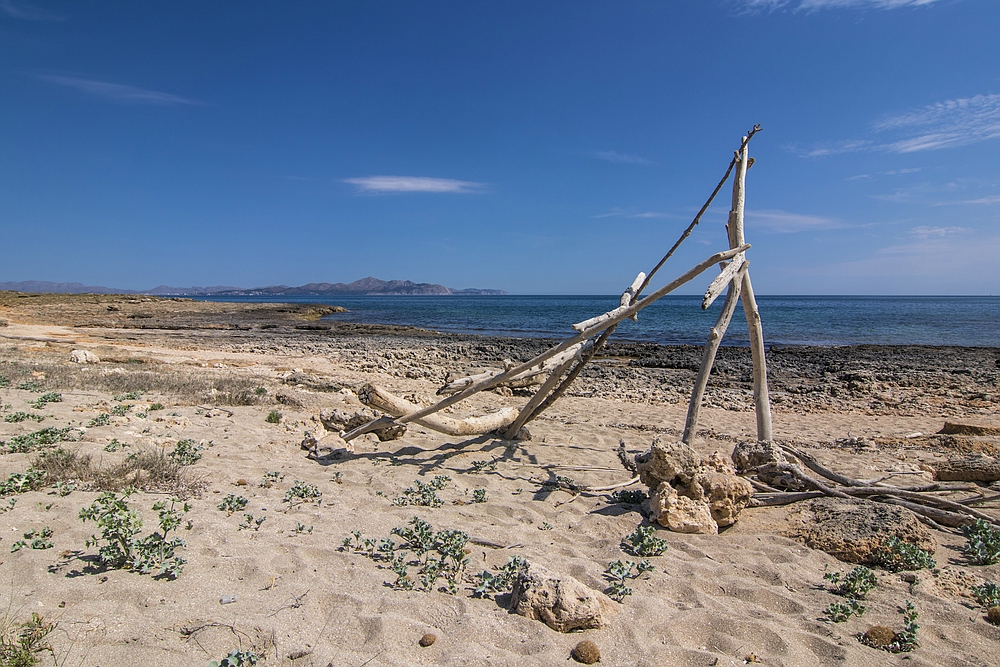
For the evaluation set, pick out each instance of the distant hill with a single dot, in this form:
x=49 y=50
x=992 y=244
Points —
x=366 y=286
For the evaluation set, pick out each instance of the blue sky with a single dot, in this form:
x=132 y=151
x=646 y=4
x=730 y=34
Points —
x=537 y=147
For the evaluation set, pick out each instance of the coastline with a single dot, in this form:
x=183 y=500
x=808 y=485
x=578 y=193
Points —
x=750 y=590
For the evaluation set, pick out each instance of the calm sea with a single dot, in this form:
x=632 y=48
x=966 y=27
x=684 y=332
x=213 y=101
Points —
x=679 y=319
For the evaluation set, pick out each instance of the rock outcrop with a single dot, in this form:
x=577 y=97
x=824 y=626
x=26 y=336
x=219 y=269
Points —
x=559 y=601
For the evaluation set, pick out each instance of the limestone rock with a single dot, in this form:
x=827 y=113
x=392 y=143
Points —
x=719 y=462
x=327 y=446
x=559 y=601
x=680 y=513
x=83 y=357
x=748 y=456
x=726 y=495
x=852 y=530
x=339 y=421
x=772 y=475
x=666 y=462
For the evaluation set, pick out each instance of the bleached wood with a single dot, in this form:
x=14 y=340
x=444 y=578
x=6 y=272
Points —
x=489 y=383
x=522 y=379
x=628 y=296
x=536 y=399
x=600 y=319
x=380 y=399
x=716 y=286
x=761 y=397
x=711 y=348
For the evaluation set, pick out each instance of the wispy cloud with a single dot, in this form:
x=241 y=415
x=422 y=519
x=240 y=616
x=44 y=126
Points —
x=992 y=199
x=620 y=158
x=414 y=184
x=25 y=12
x=926 y=232
x=948 y=124
x=619 y=213
x=116 y=91
x=783 y=222
x=808 y=5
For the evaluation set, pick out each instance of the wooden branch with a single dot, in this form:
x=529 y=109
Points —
x=534 y=401
x=600 y=319
x=812 y=481
x=612 y=487
x=708 y=356
x=953 y=519
x=774 y=499
x=489 y=383
x=380 y=399
x=720 y=282
x=628 y=296
x=522 y=379
x=811 y=463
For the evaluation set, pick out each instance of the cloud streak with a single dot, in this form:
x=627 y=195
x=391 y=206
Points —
x=116 y=91
x=620 y=158
x=812 y=5
x=783 y=222
x=19 y=10
x=382 y=184
x=948 y=124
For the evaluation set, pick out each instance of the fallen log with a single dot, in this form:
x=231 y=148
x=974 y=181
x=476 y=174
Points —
x=380 y=399
x=971 y=469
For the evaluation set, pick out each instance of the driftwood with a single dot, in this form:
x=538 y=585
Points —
x=380 y=399
x=724 y=278
x=489 y=383
x=535 y=401
x=932 y=509
x=971 y=469
x=524 y=379
x=711 y=348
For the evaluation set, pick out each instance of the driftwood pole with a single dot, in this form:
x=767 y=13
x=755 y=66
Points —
x=711 y=347
x=761 y=400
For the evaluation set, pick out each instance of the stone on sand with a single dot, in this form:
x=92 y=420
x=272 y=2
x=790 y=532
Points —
x=969 y=469
x=83 y=357
x=671 y=462
x=557 y=600
x=726 y=495
x=680 y=513
x=749 y=456
x=338 y=421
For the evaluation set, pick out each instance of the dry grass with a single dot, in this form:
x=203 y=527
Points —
x=149 y=470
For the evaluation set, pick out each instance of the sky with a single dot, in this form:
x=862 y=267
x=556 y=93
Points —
x=536 y=147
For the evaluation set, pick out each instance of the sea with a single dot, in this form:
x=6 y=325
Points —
x=970 y=321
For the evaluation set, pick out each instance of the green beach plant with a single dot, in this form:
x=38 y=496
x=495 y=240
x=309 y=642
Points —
x=982 y=545
x=643 y=542
x=896 y=555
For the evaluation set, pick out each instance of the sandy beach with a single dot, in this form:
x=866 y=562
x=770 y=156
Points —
x=282 y=584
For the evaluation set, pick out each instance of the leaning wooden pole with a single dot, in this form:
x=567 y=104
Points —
x=535 y=401
x=761 y=399
x=711 y=348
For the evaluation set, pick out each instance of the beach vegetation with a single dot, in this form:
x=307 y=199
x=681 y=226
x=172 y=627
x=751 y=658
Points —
x=146 y=470
x=18 y=417
x=896 y=555
x=854 y=585
x=483 y=466
x=302 y=493
x=620 y=572
x=982 y=543
x=50 y=435
x=250 y=522
x=644 y=542
x=273 y=417
x=232 y=503
x=31 y=385
x=102 y=419
x=121 y=410
x=236 y=658
x=500 y=582
x=270 y=479
x=45 y=399
x=186 y=453
x=20 y=482
x=987 y=594
x=115 y=445
x=153 y=407
x=120 y=546
x=885 y=639
x=479 y=495
x=35 y=539
x=838 y=612
x=629 y=497
x=423 y=494
x=22 y=643
x=127 y=396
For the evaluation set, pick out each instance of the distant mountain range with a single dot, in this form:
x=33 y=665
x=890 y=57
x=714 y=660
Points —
x=365 y=287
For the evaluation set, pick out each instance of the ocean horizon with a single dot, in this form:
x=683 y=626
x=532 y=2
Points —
x=969 y=321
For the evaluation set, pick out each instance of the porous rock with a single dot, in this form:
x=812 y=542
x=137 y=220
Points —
x=671 y=462
x=83 y=357
x=749 y=456
x=853 y=530
x=778 y=476
x=339 y=421
x=726 y=495
x=327 y=446
x=969 y=469
x=586 y=652
x=719 y=462
x=680 y=513
x=559 y=601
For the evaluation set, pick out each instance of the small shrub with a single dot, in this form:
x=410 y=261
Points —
x=643 y=542
x=20 y=482
x=479 y=495
x=36 y=539
x=619 y=572
x=982 y=546
x=18 y=417
x=50 y=435
x=987 y=594
x=838 y=612
x=250 y=522
x=31 y=385
x=502 y=581
x=480 y=467
x=232 y=503
x=4 y=382
x=21 y=643
x=302 y=493
x=854 y=585
x=273 y=417
x=236 y=659
x=45 y=399
x=449 y=545
x=121 y=410
x=186 y=453
x=270 y=479
x=114 y=445
x=896 y=555
x=629 y=497
x=423 y=495
x=102 y=419
x=900 y=642
x=128 y=396
x=120 y=546
x=153 y=407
